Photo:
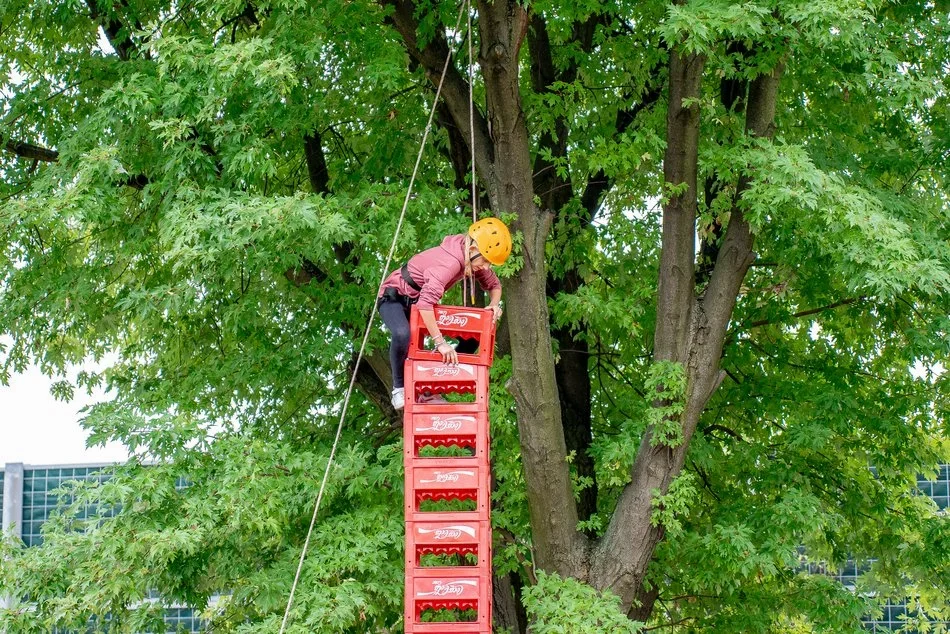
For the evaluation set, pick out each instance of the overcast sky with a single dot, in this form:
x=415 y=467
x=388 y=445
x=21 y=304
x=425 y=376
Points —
x=37 y=429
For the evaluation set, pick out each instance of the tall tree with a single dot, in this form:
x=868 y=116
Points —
x=726 y=316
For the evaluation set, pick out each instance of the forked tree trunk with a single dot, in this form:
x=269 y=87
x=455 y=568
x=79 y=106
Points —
x=624 y=553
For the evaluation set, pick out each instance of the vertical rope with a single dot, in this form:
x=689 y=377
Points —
x=369 y=325
x=470 y=285
x=471 y=109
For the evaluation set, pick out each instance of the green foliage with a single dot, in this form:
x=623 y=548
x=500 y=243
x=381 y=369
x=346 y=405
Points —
x=667 y=381
x=182 y=238
x=228 y=517
x=566 y=606
x=670 y=507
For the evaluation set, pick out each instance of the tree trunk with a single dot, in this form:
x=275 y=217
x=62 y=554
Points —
x=508 y=614
x=558 y=547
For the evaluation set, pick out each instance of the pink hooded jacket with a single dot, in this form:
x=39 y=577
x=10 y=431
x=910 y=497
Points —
x=436 y=270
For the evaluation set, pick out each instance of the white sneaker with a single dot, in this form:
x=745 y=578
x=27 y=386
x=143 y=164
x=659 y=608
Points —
x=430 y=399
x=399 y=398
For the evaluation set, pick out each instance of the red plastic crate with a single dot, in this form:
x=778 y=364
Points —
x=463 y=424
x=448 y=589
x=438 y=479
x=448 y=628
x=468 y=430
x=448 y=537
x=455 y=321
x=440 y=378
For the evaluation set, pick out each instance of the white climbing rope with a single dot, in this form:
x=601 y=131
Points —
x=471 y=109
x=468 y=279
x=372 y=317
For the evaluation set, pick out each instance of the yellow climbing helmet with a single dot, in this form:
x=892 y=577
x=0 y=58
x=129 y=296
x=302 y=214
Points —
x=492 y=238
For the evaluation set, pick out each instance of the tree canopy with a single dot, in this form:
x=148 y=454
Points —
x=726 y=315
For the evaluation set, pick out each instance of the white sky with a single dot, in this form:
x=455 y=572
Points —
x=37 y=429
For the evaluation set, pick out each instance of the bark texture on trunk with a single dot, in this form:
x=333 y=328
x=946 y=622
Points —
x=508 y=614
x=455 y=90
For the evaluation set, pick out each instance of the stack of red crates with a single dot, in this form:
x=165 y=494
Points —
x=459 y=584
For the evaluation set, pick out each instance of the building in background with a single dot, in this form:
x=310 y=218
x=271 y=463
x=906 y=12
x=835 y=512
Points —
x=28 y=499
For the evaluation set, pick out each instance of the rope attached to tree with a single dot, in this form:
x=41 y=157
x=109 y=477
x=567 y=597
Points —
x=468 y=280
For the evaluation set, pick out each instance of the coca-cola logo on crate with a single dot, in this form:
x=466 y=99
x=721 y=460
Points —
x=443 y=370
x=449 y=423
x=448 y=532
x=452 y=588
x=443 y=477
x=458 y=319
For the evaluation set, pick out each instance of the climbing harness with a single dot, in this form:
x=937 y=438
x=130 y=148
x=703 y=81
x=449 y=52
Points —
x=407 y=277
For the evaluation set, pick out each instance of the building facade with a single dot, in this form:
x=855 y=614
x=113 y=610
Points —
x=28 y=499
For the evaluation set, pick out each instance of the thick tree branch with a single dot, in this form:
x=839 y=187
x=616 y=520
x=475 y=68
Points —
x=136 y=182
x=675 y=292
x=643 y=605
x=30 y=151
x=46 y=155
x=732 y=95
x=316 y=163
x=621 y=558
x=123 y=45
x=553 y=188
x=457 y=152
x=455 y=90
x=508 y=613
x=735 y=256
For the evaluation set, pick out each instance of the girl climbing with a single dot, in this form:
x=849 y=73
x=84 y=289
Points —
x=425 y=278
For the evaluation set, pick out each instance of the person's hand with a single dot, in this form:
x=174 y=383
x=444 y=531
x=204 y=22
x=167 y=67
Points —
x=449 y=355
x=496 y=311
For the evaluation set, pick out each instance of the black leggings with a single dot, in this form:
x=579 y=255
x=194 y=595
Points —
x=395 y=315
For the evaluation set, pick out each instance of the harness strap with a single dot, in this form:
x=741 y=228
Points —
x=408 y=278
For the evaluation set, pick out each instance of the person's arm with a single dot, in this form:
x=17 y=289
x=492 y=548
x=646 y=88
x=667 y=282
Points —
x=448 y=352
x=492 y=285
x=494 y=302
